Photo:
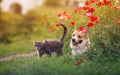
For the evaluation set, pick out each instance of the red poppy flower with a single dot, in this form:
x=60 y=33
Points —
x=37 y=18
x=90 y=24
x=65 y=13
x=88 y=14
x=75 y=11
x=117 y=20
x=51 y=29
x=57 y=25
x=99 y=4
x=92 y=1
x=59 y=15
x=91 y=10
x=83 y=29
x=87 y=3
x=72 y=23
x=69 y=17
x=105 y=2
x=77 y=63
x=85 y=8
x=43 y=23
x=93 y=18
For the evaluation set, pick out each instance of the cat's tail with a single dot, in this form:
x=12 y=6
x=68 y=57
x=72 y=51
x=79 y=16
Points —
x=64 y=32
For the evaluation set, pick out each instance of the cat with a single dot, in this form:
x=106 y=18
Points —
x=49 y=46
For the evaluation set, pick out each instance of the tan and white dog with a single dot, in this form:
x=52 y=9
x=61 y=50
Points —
x=79 y=43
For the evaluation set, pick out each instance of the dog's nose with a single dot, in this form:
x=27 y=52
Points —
x=80 y=41
x=73 y=40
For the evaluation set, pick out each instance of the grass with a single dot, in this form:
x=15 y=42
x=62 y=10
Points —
x=102 y=59
x=59 y=66
x=15 y=48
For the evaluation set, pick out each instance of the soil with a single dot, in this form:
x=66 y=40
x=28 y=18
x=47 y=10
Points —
x=8 y=58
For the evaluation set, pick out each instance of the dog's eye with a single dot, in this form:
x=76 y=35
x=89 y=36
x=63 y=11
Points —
x=79 y=36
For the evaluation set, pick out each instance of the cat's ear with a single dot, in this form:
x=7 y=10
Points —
x=42 y=42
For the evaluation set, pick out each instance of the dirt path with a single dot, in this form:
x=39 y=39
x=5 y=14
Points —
x=17 y=56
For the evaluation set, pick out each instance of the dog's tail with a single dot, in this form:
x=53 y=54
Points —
x=64 y=32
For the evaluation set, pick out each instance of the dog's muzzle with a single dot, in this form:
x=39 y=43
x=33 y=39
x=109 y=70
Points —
x=73 y=40
x=75 y=43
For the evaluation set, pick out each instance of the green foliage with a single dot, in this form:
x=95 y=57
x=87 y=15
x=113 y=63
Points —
x=105 y=34
x=12 y=25
x=8 y=25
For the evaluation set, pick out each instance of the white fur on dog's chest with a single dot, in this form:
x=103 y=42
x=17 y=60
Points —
x=76 y=52
x=79 y=51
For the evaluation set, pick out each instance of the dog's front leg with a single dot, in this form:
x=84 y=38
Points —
x=73 y=53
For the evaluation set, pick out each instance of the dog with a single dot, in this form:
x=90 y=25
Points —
x=80 y=42
x=49 y=46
